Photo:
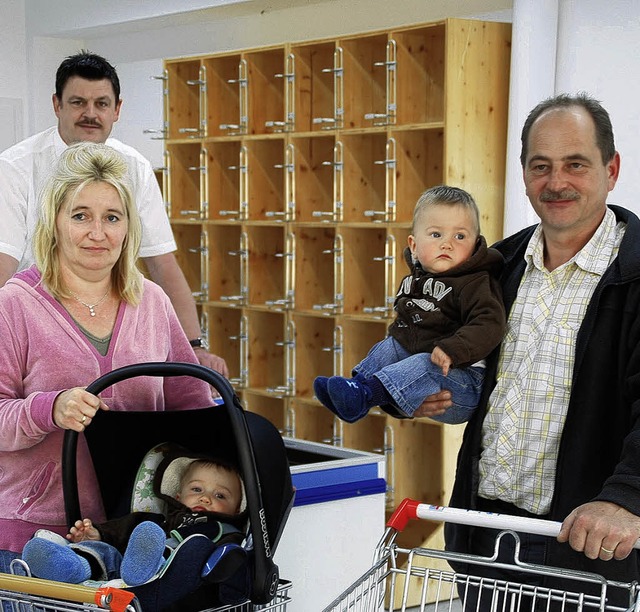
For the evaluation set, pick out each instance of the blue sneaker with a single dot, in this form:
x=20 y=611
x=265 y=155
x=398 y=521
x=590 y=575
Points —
x=53 y=561
x=144 y=555
x=350 y=398
x=320 y=389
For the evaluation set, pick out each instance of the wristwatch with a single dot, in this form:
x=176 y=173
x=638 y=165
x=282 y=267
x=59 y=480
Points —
x=199 y=343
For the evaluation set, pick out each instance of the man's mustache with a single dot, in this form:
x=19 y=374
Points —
x=557 y=196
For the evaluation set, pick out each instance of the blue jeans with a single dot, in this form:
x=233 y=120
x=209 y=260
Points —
x=106 y=554
x=409 y=378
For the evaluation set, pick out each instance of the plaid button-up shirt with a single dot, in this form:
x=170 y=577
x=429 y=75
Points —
x=527 y=409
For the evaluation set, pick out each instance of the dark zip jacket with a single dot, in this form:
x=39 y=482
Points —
x=459 y=310
x=599 y=455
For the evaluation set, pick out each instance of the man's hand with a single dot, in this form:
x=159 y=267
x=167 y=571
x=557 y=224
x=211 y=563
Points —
x=212 y=361
x=601 y=530
x=434 y=405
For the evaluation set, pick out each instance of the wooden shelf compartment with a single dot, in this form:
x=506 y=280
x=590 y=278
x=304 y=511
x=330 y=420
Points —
x=224 y=174
x=266 y=179
x=365 y=175
x=227 y=272
x=310 y=421
x=266 y=351
x=189 y=255
x=228 y=339
x=420 y=83
x=266 y=90
x=184 y=178
x=271 y=408
x=367 y=264
x=365 y=80
x=315 y=351
x=315 y=79
x=419 y=165
x=398 y=238
x=226 y=95
x=367 y=434
x=316 y=171
x=271 y=254
x=317 y=270
x=357 y=339
x=184 y=92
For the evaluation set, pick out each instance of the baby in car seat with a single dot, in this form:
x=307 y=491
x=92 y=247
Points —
x=203 y=496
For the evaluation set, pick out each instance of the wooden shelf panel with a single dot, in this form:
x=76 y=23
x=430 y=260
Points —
x=184 y=99
x=314 y=86
x=365 y=90
x=223 y=97
x=265 y=73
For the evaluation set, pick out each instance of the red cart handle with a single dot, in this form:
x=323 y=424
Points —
x=406 y=511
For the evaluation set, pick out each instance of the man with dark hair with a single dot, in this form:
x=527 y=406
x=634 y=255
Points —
x=557 y=432
x=87 y=103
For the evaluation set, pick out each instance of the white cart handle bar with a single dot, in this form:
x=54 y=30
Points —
x=410 y=509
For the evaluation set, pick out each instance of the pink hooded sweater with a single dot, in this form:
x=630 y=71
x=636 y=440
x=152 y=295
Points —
x=42 y=352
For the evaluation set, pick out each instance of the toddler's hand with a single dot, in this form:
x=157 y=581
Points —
x=440 y=358
x=83 y=530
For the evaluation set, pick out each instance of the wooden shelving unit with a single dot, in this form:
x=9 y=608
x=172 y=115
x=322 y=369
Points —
x=290 y=177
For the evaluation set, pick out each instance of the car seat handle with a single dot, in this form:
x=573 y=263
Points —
x=163 y=368
x=265 y=577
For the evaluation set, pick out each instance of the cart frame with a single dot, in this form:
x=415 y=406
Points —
x=28 y=594
x=398 y=572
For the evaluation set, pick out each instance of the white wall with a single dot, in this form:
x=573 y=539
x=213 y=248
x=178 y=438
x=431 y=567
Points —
x=13 y=72
x=599 y=52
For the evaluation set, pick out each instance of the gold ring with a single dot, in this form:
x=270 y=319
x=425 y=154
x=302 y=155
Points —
x=84 y=418
x=606 y=550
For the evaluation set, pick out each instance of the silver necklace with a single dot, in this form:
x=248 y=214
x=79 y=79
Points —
x=91 y=307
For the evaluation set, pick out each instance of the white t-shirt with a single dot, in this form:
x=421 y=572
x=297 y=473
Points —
x=24 y=170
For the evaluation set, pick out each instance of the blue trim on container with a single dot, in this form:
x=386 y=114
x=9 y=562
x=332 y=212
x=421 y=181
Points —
x=317 y=495
x=331 y=476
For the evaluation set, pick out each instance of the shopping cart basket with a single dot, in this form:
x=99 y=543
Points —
x=399 y=577
x=26 y=594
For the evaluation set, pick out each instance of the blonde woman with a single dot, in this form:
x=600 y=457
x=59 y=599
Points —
x=82 y=310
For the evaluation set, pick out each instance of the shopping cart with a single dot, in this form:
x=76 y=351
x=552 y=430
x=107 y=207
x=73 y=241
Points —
x=27 y=594
x=406 y=579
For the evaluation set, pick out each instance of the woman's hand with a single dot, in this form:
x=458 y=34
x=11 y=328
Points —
x=74 y=408
x=434 y=405
x=83 y=530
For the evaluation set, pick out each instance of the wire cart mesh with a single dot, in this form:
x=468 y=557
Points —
x=400 y=576
x=28 y=594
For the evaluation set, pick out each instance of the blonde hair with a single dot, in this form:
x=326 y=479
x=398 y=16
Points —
x=82 y=164
x=446 y=195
